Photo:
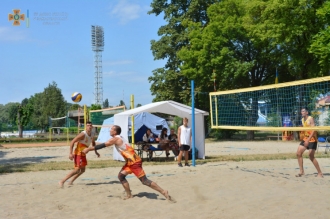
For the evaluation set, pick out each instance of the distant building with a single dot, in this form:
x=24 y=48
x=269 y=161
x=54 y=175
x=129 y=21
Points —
x=322 y=106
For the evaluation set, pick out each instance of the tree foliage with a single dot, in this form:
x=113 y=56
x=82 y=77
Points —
x=49 y=103
x=122 y=103
x=7 y=121
x=106 y=103
x=168 y=83
x=243 y=42
x=321 y=41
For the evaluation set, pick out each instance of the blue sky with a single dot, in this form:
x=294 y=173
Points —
x=60 y=50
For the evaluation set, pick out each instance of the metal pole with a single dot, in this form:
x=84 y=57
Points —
x=132 y=126
x=193 y=122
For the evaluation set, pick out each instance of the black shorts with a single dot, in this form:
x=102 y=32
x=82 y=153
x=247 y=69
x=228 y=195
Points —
x=311 y=145
x=184 y=147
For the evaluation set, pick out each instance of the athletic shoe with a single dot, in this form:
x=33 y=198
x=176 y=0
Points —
x=179 y=164
x=187 y=165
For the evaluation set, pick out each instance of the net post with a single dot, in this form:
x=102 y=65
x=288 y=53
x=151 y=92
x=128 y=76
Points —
x=211 y=110
x=216 y=110
x=132 y=127
x=67 y=135
x=78 y=124
x=193 y=163
x=85 y=116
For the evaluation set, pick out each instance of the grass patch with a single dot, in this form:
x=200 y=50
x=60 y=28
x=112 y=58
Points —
x=92 y=164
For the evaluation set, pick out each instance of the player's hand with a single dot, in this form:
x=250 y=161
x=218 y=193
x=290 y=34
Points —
x=71 y=156
x=306 y=143
x=97 y=153
x=86 y=150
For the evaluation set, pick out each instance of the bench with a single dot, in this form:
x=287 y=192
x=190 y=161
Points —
x=141 y=147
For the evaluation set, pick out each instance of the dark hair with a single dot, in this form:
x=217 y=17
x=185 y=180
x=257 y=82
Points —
x=89 y=122
x=117 y=129
x=147 y=130
x=305 y=108
x=162 y=135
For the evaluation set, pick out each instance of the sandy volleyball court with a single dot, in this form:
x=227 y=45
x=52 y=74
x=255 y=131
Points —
x=249 y=189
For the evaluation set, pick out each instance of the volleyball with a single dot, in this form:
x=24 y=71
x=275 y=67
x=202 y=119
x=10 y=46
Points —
x=76 y=97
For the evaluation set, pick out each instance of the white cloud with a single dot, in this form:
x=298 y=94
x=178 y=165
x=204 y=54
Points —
x=12 y=34
x=126 y=11
x=118 y=62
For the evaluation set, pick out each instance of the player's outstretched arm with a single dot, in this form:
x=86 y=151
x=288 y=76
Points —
x=110 y=142
x=94 y=144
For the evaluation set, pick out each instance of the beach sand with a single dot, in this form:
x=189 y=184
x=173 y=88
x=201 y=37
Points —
x=246 y=189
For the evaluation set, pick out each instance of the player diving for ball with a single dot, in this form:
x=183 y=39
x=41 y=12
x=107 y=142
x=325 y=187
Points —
x=133 y=163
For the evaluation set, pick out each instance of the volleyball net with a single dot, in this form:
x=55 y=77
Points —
x=274 y=107
x=97 y=117
x=62 y=127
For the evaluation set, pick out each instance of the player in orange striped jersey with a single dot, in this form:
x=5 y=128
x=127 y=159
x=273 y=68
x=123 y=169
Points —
x=83 y=140
x=309 y=142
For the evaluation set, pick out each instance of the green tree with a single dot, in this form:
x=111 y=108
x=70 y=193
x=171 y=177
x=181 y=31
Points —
x=106 y=103
x=95 y=107
x=229 y=46
x=321 y=41
x=168 y=83
x=49 y=103
x=7 y=123
x=138 y=105
x=75 y=106
x=21 y=115
x=122 y=103
x=292 y=25
x=37 y=117
x=24 y=113
x=245 y=42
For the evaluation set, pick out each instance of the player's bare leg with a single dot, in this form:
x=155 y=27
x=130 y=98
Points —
x=156 y=187
x=72 y=173
x=316 y=164
x=300 y=151
x=121 y=177
x=81 y=171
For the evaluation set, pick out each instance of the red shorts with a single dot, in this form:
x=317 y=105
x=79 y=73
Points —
x=79 y=161
x=135 y=168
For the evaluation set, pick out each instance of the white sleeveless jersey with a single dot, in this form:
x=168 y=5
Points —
x=121 y=148
x=87 y=139
x=185 y=135
x=127 y=152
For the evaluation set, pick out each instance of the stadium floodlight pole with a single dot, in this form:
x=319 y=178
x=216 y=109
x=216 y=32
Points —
x=97 y=35
x=193 y=163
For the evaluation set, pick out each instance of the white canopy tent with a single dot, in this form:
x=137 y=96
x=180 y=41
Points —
x=171 y=108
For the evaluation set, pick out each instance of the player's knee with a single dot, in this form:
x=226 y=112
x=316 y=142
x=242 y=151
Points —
x=299 y=154
x=145 y=181
x=122 y=178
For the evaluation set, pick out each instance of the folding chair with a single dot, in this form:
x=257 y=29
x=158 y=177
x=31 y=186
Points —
x=324 y=142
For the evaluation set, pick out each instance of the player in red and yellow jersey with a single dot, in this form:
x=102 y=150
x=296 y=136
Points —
x=133 y=163
x=83 y=140
x=309 y=142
